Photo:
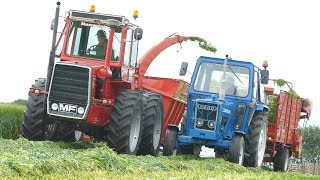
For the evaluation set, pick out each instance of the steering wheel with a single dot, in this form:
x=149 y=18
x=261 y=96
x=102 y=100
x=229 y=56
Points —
x=92 y=48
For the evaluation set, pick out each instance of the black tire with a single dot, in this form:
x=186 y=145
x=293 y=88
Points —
x=170 y=141
x=281 y=160
x=152 y=124
x=189 y=149
x=124 y=130
x=35 y=126
x=256 y=140
x=236 y=151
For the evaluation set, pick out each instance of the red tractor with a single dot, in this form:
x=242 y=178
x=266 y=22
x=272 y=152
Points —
x=99 y=89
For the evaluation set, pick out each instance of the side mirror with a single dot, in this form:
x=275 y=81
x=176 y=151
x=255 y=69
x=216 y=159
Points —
x=264 y=76
x=183 y=69
x=138 y=32
x=52 y=25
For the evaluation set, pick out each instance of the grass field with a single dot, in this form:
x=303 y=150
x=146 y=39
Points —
x=56 y=160
x=22 y=159
x=11 y=117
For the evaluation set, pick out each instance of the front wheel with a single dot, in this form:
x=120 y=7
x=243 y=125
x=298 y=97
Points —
x=35 y=125
x=124 y=130
x=169 y=142
x=236 y=152
x=257 y=139
x=152 y=124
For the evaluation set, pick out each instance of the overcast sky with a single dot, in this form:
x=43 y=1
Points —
x=286 y=33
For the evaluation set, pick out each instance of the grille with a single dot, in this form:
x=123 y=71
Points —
x=206 y=112
x=70 y=85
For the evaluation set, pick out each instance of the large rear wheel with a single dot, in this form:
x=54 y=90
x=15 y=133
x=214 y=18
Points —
x=257 y=139
x=124 y=130
x=152 y=124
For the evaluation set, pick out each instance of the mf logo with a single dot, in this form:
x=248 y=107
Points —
x=68 y=107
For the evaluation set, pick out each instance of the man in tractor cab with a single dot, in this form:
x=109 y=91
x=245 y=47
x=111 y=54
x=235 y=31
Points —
x=103 y=42
x=230 y=86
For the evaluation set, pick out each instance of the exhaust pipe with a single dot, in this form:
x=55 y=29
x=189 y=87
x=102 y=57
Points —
x=53 y=47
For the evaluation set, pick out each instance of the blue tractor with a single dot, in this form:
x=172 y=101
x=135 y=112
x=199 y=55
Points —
x=226 y=111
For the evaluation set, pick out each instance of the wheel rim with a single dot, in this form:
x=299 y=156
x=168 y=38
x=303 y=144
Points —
x=241 y=152
x=261 y=145
x=286 y=162
x=135 y=129
x=78 y=135
x=157 y=129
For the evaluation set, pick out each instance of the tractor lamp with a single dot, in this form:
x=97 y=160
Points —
x=265 y=64
x=31 y=90
x=54 y=106
x=92 y=8
x=211 y=124
x=126 y=21
x=135 y=14
x=80 y=110
x=199 y=122
x=109 y=102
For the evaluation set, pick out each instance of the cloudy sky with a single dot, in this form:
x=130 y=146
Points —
x=286 y=33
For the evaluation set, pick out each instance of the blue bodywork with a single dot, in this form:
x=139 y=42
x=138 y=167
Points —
x=230 y=116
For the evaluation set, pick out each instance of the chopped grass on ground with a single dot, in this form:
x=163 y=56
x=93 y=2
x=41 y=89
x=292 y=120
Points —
x=57 y=160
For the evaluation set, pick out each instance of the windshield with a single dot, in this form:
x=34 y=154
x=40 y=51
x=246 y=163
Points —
x=90 y=40
x=210 y=76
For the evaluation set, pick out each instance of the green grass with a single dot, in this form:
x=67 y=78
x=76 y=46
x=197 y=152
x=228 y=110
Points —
x=22 y=159
x=56 y=160
x=11 y=117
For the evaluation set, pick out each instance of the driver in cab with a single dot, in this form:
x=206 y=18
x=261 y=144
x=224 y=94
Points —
x=103 y=42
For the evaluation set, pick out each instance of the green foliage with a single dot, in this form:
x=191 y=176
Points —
x=204 y=44
x=311 y=143
x=280 y=82
x=305 y=103
x=293 y=94
x=56 y=160
x=11 y=117
x=273 y=105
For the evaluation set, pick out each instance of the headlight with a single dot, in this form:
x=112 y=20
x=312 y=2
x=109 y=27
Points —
x=54 y=106
x=80 y=110
x=211 y=124
x=199 y=122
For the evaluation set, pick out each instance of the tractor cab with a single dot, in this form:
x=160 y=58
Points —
x=97 y=40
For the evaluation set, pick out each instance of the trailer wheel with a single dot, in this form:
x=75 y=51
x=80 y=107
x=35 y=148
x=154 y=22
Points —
x=256 y=140
x=281 y=160
x=236 y=152
x=124 y=130
x=170 y=141
x=152 y=124
x=34 y=125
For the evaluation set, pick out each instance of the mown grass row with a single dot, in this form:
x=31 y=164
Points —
x=56 y=160
x=11 y=117
x=22 y=159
